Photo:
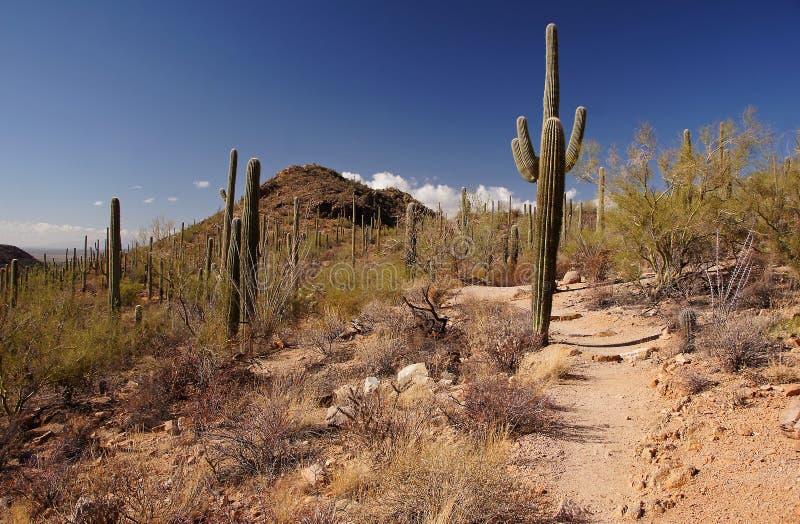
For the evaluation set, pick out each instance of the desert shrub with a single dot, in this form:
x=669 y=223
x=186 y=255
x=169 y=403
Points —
x=383 y=318
x=600 y=297
x=738 y=342
x=129 y=291
x=494 y=403
x=590 y=253
x=549 y=366
x=500 y=333
x=690 y=382
x=448 y=478
x=45 y=484
x=323 y=333
x=380 y=422
x=378 y=355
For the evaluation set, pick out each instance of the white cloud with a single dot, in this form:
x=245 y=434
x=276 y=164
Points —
x=201 y=184
x=571 y=193
x=98 y=203
x=43 y=234
x=433 y=195
x=172 y=199
x=136 y=187
x=148 y=200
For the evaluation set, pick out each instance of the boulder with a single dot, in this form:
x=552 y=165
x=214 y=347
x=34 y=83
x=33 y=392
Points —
x=791 y=390
x=407 y=374
x=790 y=419
x=571 y=277
x=371 y=384
x=337 y=416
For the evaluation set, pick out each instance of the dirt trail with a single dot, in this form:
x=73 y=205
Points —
x=606 y=408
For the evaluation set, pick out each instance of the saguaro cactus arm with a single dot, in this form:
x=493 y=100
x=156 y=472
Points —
x=524 y=155
x=576 y=138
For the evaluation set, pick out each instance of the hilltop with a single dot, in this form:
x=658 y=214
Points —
x=8 y=253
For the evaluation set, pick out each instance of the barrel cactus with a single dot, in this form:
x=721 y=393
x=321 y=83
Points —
x=549 y=170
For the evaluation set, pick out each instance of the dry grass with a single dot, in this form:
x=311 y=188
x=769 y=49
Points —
x=445 y=479
x=379 y=355
x=499 y=333
x=689 y=382
x=550 y=366
x=738 y=342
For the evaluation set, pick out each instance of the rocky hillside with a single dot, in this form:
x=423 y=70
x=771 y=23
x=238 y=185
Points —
x=322 y=188
x=8 y=253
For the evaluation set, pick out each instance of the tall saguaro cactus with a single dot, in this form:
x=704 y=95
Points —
x=234 y=282
x=296 y=233
x=228 y=196
x=548 y=171
x=114 y=258
x=249 y=249
x=14 y=281
x=411 y=235
x=601 y=200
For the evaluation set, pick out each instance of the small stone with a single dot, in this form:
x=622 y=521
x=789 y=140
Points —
x=371 y=384
x=337 y=416
x=682 y=358
x=407 y=374
x=607 y=358
x=446 y=375
x=791 y=390
x=745 y=431
x=571 y=277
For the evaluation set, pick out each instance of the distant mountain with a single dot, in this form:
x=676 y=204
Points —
x=8 y=253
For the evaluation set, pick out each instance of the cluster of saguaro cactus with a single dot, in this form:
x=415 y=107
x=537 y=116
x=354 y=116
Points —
x=548 y=171
x=233 y=272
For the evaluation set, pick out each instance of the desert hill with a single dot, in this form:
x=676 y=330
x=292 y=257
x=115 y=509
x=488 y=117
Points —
x=8 y=253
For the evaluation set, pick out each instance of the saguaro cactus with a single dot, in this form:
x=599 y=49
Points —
x=513 y=247
x=549 y=171
x=249 y=249
x=464 y=211
x=411 y=234
x=137 y=314
x=296 y=233
x=228 y=196
x=234 y=282
x=14 y=284
x=114 y=258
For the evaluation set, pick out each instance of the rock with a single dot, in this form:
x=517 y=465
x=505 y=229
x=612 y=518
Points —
x=371 y=384
x=422 y=380
x=337 y=416
x=407 y=374
x=571 y=277
x=444 y=383
x=682 y=358
x=680 y=476
x=638 y=354
x=607 y=358
x=635 y=511
x=791 y=390
x=314 y=475
x=342 y=394
x=790 y=419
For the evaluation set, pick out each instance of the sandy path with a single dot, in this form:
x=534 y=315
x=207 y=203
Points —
x=589 y=457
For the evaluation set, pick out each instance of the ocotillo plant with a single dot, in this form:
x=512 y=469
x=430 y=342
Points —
x=114 y=258
x=234 y=282
x=411 y=235
x=249 y=249
x=228 y=197
x=549 y=172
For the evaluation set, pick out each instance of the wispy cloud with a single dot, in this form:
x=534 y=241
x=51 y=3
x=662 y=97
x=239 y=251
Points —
x=172 y=199
x=43 y=234
x=148 y=200
x=98 y=203
x=201 y=184
x=136 y=187
x=433 y=195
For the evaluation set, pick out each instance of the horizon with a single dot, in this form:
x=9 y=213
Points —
x=115 y=101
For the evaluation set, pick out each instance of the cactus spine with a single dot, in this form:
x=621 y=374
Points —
x=249 y=250
x=114 y=258
x=234 y=284
x=548 y=171
x=228 y=197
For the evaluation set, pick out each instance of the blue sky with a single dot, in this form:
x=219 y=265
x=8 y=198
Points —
x=100 y=98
